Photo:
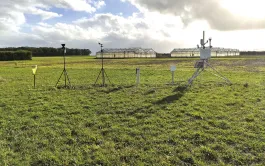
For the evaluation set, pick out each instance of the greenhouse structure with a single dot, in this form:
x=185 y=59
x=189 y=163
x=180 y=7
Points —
x=195 y=52
x=127 y=53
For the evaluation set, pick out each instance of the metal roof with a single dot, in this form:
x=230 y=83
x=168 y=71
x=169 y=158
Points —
x=219 y=49
x=126 y=50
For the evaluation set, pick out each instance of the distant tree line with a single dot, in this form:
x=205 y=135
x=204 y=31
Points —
x=252 y=53
x=50 y=51
x=15 y=55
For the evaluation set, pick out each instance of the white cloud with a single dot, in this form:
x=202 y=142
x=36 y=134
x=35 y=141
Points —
x=150 y=30
x=11 y=20
x=18 y=39
x=12 y=11
x=224 y=15
x=88 y=6
x=44 y=14
x=153 y=25
x=76 y=5
x=162 y=28
x=163 y=32
x=43 y=24
x=98 y=4
x=245 y=8
x=67 y=32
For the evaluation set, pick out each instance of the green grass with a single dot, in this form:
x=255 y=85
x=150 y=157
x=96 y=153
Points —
x=155 y=123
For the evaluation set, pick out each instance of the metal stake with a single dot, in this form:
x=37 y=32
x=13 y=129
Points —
x=34 y=81
x=172 y=77
x=137 y=76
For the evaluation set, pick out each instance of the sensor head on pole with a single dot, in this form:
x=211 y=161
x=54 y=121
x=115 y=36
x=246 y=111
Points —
x=210 y=39
x=34 y=69
x=205 y=52
x=63 y=46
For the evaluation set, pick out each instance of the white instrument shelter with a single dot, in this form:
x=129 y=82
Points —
x=205 y=53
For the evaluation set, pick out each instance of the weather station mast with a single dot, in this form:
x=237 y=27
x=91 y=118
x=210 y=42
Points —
x=203 y=63
x=102 y=71
x=66 y=77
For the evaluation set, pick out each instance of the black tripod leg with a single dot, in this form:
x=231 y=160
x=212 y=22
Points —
x=223 y=77
x=107 y=76
x=98 y=77
x=195 y=75
x=59 y=79
x=68 y=78
x=103 y=77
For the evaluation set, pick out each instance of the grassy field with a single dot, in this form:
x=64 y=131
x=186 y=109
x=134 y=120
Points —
x=155 y=123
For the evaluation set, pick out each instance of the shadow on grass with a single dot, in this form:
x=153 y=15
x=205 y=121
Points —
x=64 y=87
x=115 y=89
x=181 y=88
x=169 y=99
x=180 y=91
x=151 y=91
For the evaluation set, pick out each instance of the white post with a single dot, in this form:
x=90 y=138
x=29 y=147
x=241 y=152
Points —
x=173 y=69
x=172 y=77
x=137 y=76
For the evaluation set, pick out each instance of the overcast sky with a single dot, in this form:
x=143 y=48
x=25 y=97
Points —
x=158 y=24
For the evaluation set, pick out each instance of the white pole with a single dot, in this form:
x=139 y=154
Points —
x=172 y=77
x=137 y=76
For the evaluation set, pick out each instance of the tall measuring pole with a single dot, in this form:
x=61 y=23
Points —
x=102 y=65
x=64 y=49
x=203 y=36
x=101 y=50
x=203 y=41
x=102 y=71
x=66 y=77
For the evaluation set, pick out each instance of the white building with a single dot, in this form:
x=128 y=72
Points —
x=195 y=52
x=127 y=53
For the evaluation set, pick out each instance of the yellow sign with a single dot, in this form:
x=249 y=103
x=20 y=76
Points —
x=34 y=70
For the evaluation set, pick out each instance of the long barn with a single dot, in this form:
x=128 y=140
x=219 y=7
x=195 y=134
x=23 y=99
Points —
x=195 y=52
x=127 y=53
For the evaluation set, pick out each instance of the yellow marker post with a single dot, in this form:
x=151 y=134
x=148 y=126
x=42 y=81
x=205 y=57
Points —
x=34 y=70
